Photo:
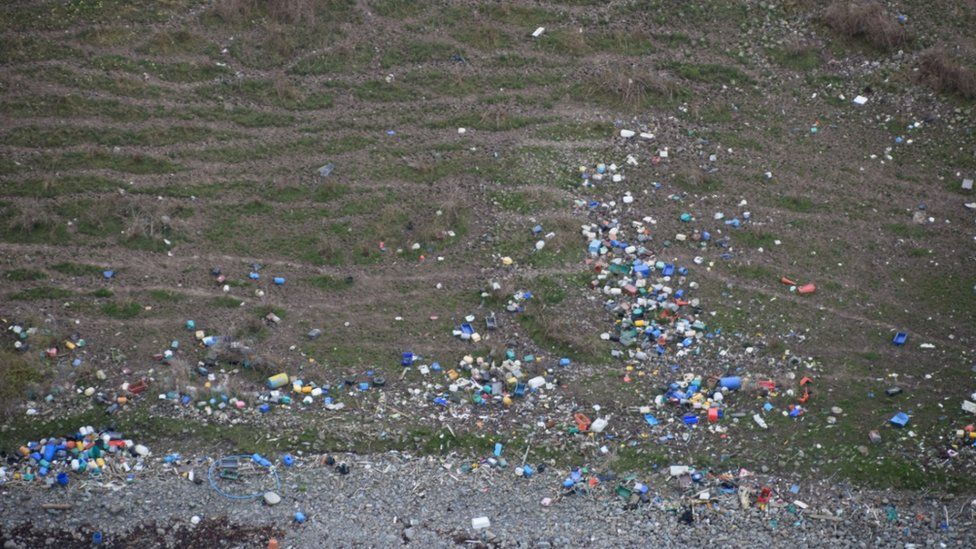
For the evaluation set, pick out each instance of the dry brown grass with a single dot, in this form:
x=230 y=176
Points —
x=866 y=21
x=33 y=217
x=946 y=75
x=291 y=12
x=634 y=91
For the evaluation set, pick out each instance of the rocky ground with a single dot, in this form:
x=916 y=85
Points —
x=393 y=499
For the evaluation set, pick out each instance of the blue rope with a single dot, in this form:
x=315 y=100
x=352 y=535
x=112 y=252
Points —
x=213 y=483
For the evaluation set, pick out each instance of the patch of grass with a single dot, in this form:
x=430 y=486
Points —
x=946 y=75
x=894 y=472
x=736 y=140
x=950 y=293
x=23 y=275
x=696 y=182
x=68 y=14
x=99 y=160
x=41 y=292
x=547 y=331
x=64 y=185
x=340 y=60
x=906 y=231
x=102 y=293
x=226 y=301
x=866 y=22
x=167 y=296
x=627 y=90
x=754 y=239
x=331 y=283
x=106 y=37
x=77 y=269
x=709 y=73
x=27 y=49
x=576 y=131
x=799 y=204
x=416 y=52
x=279 y=92
x=381 y=91
x=796 y=56
x=493 y=121
x=398 y=9
x=122 y=310
x=62 y=136
x=178 y=71
x=513 y=60
x=115 y=84
x=16 y=376
x=242 y=117
x=144 y=242
x=549 y=290
x=640 y=459
x=72 y=105
x=522 y=16
x=524 y=202
x=481 y=35
x=574 y=43
x=753 y=272
x=167 y=43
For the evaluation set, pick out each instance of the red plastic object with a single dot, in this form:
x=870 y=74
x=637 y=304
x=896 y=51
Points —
x=787 y=281
x=807 y=289
x=582 y=422
x=713 y=414
x=765 y=495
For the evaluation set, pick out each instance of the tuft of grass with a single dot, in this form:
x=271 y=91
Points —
x=77 y=269
x=576 y=131
x=32 y=49
x=166 y=296
x=40 y=292
x=16 y=376
x=753 y=272
x=62 y=136
x=102 y=293
x=547 y=331
x=331 y=283
x=799 y=204
x=906 y=231
x=24 y=275
x=416 y=52
x=627 y=90
x=121 y=310
x=798 y=57
x=696 y=182
x=710 y=73
x=277 y=92
x=946 y=75
x=226 y=301
x=754 y=239
x=339 y=60
x=99 y=160
x=179 y=71
x=398 y=9
x=381 y=91
x=867 y=22
x=493 y=121
x=172 y=42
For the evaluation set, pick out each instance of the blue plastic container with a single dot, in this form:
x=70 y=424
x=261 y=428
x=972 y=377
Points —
x=733 y=383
